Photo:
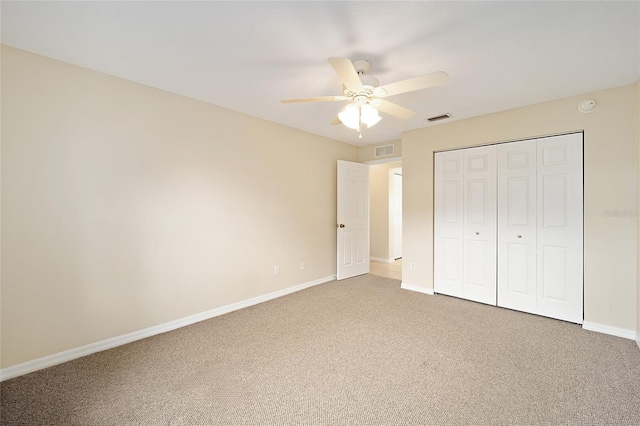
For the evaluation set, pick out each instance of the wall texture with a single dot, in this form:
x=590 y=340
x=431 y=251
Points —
x=610 y=185
x=125 y=207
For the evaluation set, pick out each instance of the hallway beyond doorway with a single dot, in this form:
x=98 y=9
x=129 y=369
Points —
x=389 y=270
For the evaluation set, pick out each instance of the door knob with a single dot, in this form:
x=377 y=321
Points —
x=341 y=225
x=519 y=236
x=477 y=233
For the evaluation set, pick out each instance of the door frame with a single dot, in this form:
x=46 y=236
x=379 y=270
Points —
x=393 y=172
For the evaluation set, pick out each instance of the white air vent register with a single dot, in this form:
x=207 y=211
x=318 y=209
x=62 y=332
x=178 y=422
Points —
x=383 y=151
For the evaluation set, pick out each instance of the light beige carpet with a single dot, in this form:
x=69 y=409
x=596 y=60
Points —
x=356 y=352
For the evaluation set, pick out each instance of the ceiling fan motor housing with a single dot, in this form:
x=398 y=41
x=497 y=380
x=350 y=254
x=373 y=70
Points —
x=368 y=83
x=361 y=66
x=360 y=99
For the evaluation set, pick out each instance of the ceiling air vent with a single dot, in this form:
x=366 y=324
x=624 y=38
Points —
x=382 y=151
x=439 y=117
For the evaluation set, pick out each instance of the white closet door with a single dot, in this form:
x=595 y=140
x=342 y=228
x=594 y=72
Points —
x=479 y=216
x=535 y=190
x=448 y=229
x=560 y=227
x=517 y=226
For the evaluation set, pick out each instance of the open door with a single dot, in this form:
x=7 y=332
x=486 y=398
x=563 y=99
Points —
x=353 y=219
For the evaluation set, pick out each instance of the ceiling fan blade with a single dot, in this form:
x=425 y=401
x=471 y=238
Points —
x=417 y=83
x=345 y=70
x=335 y=120
x=395 y=110
x=318 y=99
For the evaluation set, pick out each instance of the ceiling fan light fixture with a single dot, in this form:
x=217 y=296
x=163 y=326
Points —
x=369 y=115
x=350 y=116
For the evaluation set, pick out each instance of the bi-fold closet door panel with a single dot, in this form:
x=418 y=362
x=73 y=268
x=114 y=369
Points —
x=540 y=226
x=479 y=222
x=448 y=223
x=560 y=245
x=465 y=226
x=517 y=225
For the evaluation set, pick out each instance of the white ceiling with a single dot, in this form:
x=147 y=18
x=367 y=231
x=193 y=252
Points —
x=246 y=56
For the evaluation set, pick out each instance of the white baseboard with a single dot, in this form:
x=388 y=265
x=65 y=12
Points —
x=419 y=289
x=71 y=354
x=607 y=329
x=379 y=259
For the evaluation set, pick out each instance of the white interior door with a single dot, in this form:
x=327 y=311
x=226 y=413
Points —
x=352 y=219
x=560 y=227
x=479 y=217
x=517 y=227
x=448 y=227
x=397 y=215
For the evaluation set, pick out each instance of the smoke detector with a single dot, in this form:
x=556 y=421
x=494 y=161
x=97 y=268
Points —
x=587 y=106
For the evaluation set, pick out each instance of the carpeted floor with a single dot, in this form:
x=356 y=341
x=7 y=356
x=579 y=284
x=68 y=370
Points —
x=356 y=352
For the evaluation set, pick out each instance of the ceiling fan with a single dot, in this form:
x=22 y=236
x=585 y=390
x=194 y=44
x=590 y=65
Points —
x=366 y=95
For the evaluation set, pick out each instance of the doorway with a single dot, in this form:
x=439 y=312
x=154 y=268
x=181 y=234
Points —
x=386 y=219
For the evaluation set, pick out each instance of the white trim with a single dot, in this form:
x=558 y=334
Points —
x=607 y=329
x=379 y=259
x=71 y=354
x=416 y=288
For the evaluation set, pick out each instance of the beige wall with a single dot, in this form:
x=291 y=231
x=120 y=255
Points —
x=611 y=170
x=379 y=208
x=125 y=207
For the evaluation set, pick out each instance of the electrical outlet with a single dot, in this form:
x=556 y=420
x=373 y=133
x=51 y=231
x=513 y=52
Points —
x=302 y=266
x=413 y=266
x=276 y=270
